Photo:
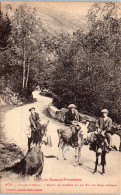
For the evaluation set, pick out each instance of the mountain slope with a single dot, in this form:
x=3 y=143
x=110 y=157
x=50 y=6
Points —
x=57 y=21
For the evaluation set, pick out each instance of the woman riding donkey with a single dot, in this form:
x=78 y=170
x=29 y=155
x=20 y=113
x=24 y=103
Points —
x=35 y=125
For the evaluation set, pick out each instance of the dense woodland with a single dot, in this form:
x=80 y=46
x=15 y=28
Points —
x=81 y=68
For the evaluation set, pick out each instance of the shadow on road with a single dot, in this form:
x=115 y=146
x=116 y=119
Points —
x=87 y=168
x=51 y=156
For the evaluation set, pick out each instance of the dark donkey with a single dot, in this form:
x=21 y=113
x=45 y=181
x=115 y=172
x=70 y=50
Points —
x=31 y=164
x=99 y=147
x=37 y=135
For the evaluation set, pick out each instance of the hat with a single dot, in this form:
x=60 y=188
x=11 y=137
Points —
x=104 y=111
x=31 y=109
x=71 y=106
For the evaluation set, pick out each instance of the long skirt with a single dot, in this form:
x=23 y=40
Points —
x=36 y=137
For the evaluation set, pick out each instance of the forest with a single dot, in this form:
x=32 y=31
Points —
x=83 y=68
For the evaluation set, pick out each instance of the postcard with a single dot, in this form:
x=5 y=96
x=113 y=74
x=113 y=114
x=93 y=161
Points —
x=60 y=97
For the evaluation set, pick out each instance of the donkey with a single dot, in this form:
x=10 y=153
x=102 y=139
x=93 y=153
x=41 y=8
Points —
x=37 y=136
x=77 y=140
x=98 y=145
x=31 y=164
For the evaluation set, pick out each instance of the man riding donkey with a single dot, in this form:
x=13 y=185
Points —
x=102 y=139
x=105 y=125
x=72 y=119
x=73 y=134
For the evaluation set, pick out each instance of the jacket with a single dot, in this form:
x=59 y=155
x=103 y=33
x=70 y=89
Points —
x=35 y=121
x=105 y=124
x=69 y=117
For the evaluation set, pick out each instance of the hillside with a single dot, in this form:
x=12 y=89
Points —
x=57 y=21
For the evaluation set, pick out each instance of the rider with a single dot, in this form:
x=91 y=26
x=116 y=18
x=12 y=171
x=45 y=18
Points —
x=34 y=122
x=71 y=119
x=105 y=125
x=71 y=115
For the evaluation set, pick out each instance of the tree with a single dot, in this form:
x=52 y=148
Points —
x=66 y=76
x=104 y=42
x=5 y=31
x=24 y=23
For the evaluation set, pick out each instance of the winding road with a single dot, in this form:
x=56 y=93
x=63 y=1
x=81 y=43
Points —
x=16 y=124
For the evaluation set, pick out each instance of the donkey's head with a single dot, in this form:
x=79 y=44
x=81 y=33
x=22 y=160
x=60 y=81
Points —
x=44 y=128
x=99 y=140
x=83 y=128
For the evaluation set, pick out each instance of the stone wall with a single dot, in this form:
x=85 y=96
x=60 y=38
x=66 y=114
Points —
x=56 y=113
x=60 y=114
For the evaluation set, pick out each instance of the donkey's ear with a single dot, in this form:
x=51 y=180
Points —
x=87 y=123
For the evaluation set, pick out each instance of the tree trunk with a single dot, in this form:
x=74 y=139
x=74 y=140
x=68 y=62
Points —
x=75 y=100
x=24 y=64
x=27 y=74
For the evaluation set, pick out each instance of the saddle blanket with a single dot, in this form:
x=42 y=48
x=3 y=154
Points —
x=66 y=133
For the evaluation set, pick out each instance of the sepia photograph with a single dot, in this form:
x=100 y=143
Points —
x=60 y=97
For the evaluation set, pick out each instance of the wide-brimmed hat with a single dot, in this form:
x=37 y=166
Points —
x=71 y=106
x=31 y=109
x=104 y=111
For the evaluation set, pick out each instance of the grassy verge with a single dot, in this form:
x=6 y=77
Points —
x=10 y=153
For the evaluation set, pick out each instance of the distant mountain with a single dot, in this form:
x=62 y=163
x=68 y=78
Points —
x=56 y=21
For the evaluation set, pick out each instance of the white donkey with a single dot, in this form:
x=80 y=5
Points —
x=82 y=129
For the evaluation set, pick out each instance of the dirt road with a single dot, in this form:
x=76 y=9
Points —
x=16 y=123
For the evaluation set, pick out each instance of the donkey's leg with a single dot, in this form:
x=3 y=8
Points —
x=103 y=169
x=76 y=156
x=29 y=143
x=79 y=155
x=103 y=161
x=96 y=163
x=39 y=144
x=59 y=148
x=99 y=160
x=38 y=176
x=59 y=151
x=63 y=153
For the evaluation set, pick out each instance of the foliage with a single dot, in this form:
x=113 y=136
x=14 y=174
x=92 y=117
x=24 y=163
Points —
x=5 y=31
x=91 y=78
x=25 y=55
